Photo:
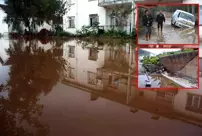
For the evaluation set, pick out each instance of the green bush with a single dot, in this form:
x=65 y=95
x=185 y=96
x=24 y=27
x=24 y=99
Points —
x=64 y=33
x=88 y=30
x=151 y=60
x=133 y=34
x=116 y=33
x=58 y=30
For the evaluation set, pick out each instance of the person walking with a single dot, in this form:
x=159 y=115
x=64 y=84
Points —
x=160 y=19
x=147 y=23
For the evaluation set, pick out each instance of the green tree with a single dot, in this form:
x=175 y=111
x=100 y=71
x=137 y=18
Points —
x=32 y=13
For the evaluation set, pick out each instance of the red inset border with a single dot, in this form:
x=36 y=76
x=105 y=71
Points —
x=143 y=4
x=169 y=88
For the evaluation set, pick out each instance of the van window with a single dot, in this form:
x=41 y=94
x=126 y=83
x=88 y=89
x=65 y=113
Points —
x=175 y=14
x=200 y=21
x=187 y=16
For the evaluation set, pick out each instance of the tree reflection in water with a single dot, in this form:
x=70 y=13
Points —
x=33 y=71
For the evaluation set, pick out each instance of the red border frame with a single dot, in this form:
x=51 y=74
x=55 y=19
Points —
x=167 y=89
x=171 y=4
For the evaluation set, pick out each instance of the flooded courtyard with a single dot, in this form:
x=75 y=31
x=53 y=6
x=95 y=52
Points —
x=85 y=88
x=171 y=35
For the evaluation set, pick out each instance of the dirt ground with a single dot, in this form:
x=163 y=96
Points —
x=170 y=35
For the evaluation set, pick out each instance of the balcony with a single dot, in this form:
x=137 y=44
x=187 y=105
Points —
x=104 y=3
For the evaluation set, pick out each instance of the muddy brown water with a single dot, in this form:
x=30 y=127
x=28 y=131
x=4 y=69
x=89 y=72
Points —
x=70 y=89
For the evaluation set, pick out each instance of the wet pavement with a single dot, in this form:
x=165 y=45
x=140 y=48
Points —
x=68 y=88
x=171 y=35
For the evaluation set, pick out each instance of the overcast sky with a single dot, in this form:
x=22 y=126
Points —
x=3 y=26
x=160 y=50
x=1 y=1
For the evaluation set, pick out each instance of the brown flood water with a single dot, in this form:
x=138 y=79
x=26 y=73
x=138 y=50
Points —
x=68 y=88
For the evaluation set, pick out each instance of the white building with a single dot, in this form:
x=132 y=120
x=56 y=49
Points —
x=86 y=12
x=83 y=63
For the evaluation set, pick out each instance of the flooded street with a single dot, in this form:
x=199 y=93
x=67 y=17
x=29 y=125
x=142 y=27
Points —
x=157 y=81
x=86 y=88
x=171 y=35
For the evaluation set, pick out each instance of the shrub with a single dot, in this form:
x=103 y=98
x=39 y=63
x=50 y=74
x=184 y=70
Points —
x=44 y=32
x=58 y=30
x=88 y=30
x=116 y=33
x=133 y=34
x=64 y=33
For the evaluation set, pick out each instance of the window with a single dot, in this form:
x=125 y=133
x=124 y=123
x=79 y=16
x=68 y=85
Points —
x=72 y=73
x=71 y=22
x=165 y=96
x=114 y=80
x=194 y=103
x=93 y=54
x=93 y=19
x=92 y=78
x=71 y=51
x=187 y=16
x=114 y=21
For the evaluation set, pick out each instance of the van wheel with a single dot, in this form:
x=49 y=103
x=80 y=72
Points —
x=174 y=24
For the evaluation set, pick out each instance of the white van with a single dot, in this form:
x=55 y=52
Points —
x=182 y=18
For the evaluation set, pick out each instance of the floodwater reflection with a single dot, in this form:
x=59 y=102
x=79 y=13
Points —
x=68 y=88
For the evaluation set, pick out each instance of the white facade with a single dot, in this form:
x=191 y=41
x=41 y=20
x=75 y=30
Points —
x=81 y=10
x=3 y=25
x=81 y=66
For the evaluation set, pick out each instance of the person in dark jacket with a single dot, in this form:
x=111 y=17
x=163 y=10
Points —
x=147 y=23
x=160 y=19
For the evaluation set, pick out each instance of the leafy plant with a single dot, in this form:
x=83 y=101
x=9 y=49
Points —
x=33 y=13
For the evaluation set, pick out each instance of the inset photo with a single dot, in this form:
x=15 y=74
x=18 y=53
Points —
x=168 y=68
x=168 y=24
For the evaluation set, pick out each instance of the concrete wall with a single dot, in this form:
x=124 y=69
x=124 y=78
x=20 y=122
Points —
x=190 y=69
x=175 y=63
x=180 y=102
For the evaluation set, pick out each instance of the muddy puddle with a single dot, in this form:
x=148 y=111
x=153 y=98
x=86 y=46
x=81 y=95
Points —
x=67 y=88
x=171 y=35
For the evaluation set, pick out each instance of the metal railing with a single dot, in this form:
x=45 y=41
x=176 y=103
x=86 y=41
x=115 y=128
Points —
x=110 y=2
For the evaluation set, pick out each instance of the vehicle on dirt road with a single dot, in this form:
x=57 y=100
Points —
x=182 y=18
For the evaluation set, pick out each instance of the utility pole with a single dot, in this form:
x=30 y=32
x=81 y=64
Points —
x=132 y=16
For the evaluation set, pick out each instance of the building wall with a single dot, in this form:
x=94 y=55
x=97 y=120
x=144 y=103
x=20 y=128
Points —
x=38 y=28
x=83 y=8
x=180 y=102
x=81 y=63
x=3 y=26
